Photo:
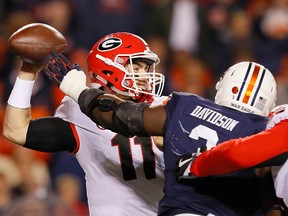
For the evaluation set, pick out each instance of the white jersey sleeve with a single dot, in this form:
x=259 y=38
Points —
x=280 y=173
x=124 y=176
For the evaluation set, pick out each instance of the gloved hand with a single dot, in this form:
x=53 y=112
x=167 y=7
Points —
x=69 y=78
x=184 y=164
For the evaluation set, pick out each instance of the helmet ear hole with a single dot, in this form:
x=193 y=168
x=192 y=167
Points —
x=107 y=72
x=235 y=90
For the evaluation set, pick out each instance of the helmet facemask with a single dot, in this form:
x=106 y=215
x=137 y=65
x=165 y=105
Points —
x=148 y=82
x=132 y=81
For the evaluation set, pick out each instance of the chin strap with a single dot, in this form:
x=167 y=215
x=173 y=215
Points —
x=144 y=98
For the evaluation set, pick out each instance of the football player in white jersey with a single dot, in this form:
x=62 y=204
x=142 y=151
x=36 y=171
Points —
x=124 y=176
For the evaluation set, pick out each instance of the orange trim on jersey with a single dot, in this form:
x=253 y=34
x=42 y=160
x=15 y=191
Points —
x=251 y=84
x=76 y=138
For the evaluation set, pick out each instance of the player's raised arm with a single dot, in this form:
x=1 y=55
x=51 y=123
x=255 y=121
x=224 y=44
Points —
x=31 y=44
x=109 y=111
x=18 y=111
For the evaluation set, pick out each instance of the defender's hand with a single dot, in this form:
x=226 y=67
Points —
x=69 y=78
x=57 y=66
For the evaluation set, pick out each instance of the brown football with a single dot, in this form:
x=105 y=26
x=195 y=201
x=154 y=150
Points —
x=34 y=41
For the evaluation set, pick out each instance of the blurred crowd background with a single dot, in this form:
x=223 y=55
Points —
x=196 y=40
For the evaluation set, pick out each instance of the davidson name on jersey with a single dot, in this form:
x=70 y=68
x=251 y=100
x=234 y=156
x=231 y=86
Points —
x=214 y=117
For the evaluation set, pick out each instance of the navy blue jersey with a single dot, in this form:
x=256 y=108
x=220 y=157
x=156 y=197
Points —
x=193 y=122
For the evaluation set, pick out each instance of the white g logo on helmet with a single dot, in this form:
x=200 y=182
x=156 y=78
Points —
x=247 y=87
x=109 y=44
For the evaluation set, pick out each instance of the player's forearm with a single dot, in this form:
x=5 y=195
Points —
x=124 y=117
x=243 y=153
x=16 y=123
x=18 y=112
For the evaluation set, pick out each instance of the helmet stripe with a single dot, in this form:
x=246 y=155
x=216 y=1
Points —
x=244 y=81
x=251 y=84
x=258 y=87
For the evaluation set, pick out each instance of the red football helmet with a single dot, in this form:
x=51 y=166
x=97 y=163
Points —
x=108 y=58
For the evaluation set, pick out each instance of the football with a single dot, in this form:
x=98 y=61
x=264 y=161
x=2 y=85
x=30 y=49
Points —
x=34 y=41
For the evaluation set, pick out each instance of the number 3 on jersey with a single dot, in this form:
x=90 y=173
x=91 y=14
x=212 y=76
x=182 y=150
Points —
x=206 y=133
x=126 y=157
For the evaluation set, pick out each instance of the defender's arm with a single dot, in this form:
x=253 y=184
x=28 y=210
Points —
x=127 y=118
x=266 y=148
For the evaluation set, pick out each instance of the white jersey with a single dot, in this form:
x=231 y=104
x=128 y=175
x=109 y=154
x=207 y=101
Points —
x=124 y=176
x=279 y=173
